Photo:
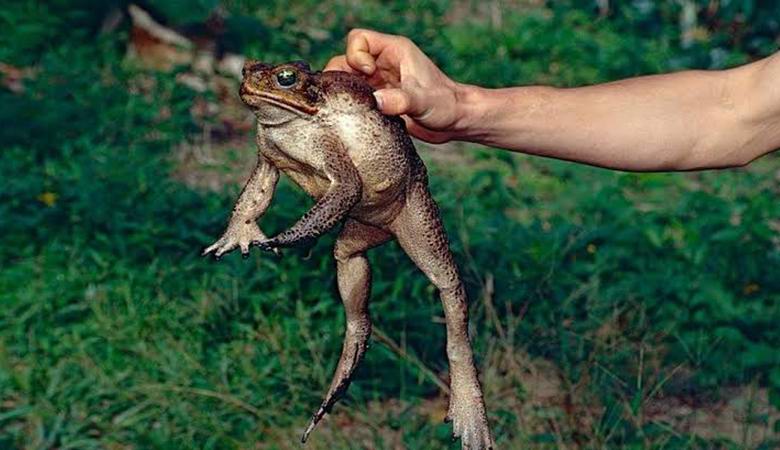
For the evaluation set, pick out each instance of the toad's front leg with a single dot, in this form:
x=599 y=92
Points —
x=242 y=230
x=342 y=195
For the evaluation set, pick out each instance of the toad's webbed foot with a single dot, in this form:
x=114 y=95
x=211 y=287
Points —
x=355 y=344
x=354 y=280
x=467 y=410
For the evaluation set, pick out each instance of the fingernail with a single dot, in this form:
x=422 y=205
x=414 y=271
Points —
x=378 y=97
x=366 y=68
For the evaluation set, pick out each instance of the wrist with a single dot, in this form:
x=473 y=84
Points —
x=242 y=219
x=506 y=117
x=470 y=112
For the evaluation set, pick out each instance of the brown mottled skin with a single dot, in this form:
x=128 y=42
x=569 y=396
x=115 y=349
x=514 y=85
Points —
x=324 y=131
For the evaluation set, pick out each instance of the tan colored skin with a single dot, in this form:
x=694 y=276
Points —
x=324 y=131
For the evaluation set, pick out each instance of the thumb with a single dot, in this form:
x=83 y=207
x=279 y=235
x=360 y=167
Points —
x=393 y=102
x=409 y=101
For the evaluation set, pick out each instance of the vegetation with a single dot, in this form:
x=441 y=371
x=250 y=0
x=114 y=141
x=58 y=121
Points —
x=620 y=293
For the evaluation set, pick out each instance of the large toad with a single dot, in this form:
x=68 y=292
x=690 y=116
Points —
x=323 y=130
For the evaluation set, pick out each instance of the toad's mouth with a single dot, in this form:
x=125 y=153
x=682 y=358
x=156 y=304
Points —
x=253 y=98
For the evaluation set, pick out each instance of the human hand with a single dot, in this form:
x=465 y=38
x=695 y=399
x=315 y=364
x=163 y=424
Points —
x=408 y=83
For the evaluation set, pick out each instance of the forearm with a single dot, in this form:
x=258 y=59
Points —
x=681 y=121
x=257 y=194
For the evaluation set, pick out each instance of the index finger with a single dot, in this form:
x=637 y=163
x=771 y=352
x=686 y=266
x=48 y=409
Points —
x=339 y=63
x=364 y=45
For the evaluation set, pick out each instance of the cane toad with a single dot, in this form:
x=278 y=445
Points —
x=323 y=130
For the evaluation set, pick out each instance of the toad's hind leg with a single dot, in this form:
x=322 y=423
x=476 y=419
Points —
x=419 y=230
x=354 y=280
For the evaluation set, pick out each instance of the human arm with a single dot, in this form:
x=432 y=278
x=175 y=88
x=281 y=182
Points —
x=680 y=121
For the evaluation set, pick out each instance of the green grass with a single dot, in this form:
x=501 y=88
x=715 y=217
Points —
x=614 y=292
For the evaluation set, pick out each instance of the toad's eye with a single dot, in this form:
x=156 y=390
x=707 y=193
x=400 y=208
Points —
x=286 y=78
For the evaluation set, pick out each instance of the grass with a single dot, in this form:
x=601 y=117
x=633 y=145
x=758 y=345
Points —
x=603 y=303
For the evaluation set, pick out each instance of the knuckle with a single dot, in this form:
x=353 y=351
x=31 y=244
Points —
x=355 y=32
x=405 y=41
x=404 y=102
x=397 y=102
x=352 y=35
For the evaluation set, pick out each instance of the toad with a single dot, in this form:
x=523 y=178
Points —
x=323 y=130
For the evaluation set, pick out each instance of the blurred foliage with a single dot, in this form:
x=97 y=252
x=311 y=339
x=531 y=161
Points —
x=115 y=334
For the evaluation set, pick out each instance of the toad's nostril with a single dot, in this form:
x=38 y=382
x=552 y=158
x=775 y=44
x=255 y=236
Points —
x=248 y=63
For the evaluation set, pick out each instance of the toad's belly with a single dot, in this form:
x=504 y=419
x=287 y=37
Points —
x=381 y=199
x=316 y=185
